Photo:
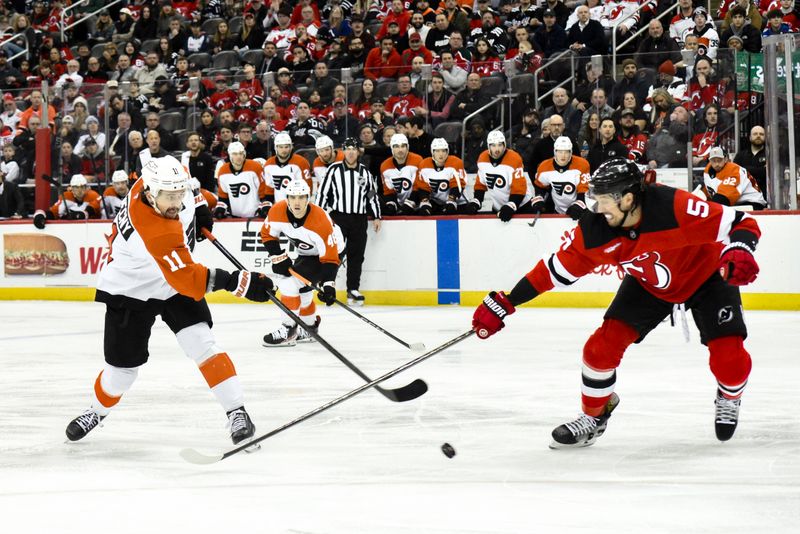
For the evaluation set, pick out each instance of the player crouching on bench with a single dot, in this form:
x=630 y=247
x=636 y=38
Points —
x=319 y=243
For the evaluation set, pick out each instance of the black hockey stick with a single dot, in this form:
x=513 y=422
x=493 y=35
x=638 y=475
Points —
x=535 y=220
x=196 y=457
x=412 y=346
x=408 y=392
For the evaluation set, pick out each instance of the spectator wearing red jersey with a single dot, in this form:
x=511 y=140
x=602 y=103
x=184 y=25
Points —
x=223 y=97
x=406 y=102
x=297 y=12
x=252 y=85
x=383 y=63
x=396 y=14
x=708 y=138
x=416 y=49
x=704 y=87
x=630 y=136
x=245 y=111
x=485 y=61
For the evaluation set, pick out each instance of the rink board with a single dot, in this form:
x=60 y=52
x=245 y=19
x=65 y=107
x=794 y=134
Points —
x=413 y=261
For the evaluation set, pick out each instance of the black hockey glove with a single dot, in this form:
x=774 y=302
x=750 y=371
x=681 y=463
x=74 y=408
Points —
x=281 y=264
x=76 y=215
x=450 y=208
x=202 y=219
x=506 y=212
x=221 y=211
x=472 y=207
x=263 y=209
x=576 y=210
x=407 y=208
x=251 y=285
x=39 y=219
x=390 y=208
x=537 y=204
x=327 y=294
x=425 y=208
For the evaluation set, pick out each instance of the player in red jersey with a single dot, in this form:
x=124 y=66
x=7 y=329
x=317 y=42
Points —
x=674 y=248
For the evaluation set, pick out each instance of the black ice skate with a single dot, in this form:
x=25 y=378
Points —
x=302 y=333
x=242 y=428
x=83 y=424
x=355 y=298
x=584 y=430
x=284 y=336
x=726 y=417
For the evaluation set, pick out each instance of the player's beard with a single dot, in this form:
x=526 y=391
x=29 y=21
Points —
x=171 y=213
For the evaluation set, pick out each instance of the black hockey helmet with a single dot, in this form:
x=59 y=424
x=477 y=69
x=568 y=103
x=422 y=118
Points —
x=350 y=142
x=616 y=177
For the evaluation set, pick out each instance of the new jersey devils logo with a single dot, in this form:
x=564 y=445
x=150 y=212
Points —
x=647 y=268
x=239 y=189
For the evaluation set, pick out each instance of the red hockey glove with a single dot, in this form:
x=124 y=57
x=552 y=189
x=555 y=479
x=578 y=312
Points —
x=737 y=265
x=488 y=317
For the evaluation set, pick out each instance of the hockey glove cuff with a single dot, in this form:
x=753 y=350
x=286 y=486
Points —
x=737 y=265
x=244 y=284
x=576 y=210
x=390 y=208
x=507 y=211
x=488 y=317
x=473 y=207
x=221 y=211
x=281 y=264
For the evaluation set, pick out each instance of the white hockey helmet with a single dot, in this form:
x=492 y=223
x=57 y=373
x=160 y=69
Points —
x=323 y=142
x=78 y=180
x=283 y=139
x=119 y=176
x=562 y=143
x=495 y=137
x=236 y=148
x=164 y=174
x=398 y=140
x=297 y=188
x=439 y=143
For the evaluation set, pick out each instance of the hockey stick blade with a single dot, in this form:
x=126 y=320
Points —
x=417 y=346
x=196 y=457
x=403 y=394
x=535 y=220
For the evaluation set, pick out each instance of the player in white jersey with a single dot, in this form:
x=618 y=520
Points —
x=115 y=194
x=730 y=184
x=501 y=174
x=240 y=186
x=565 y=178
x=441 y=183
x=319 y=243
x=326 y=156
x=398 y=174
x=283 y=168
x=150 y=271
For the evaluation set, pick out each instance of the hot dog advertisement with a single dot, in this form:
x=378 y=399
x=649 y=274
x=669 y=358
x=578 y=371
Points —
x=29 y=253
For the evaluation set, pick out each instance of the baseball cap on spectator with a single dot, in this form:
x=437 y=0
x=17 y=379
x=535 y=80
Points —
x=103 y=13
x=3 y=53
x=285 y=9
x=220 y=78
x=8 y=97
x=548 y=13
x=90 y=141
x=629 y=61
x=415 y=38
x=667 y=67
x=393 y=23
x=112 y=83
x=627 y=111
x=68 y=118
x=194 y=66
x=530 y=111
x=377 y=100
x=91 y=118
x=126 y=11
x=324 y=34
x=284 y=70
x=716 y=152
x=249 y=14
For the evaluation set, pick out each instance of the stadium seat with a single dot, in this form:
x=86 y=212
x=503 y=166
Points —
x=235 y=24
x=494 y=85
x=522 y=84
x=353 y=92
x=451 y=132
x=192 y=119
x=93 y=102
x=180 y=138
x=202 y=59
x=227 y=59
x=309 y=153
x=210 y=26
x=97 y=50
x=173 y=120
x=386 y=89
x=148 y=45
x=252 y=56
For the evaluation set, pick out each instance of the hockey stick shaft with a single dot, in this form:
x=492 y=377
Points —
x=309 y=283
x=535 y=220
x=193 y=456
x=403 y=394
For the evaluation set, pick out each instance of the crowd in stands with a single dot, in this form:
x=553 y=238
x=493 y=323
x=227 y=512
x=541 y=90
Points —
x=148 y=78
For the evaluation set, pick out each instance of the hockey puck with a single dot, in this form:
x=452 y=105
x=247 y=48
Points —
x=448 y=450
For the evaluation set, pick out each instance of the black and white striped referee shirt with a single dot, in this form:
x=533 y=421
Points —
x=349 y=190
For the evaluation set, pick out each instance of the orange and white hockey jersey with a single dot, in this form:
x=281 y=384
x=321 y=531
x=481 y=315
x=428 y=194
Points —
x=277 y=175
x=149 y=255
x=400 y=181
x=564 y=183
x=111 y=202
x=318 y=236
x=91 y=205
x=439 y=181
x=502 y=180
x=320 y=167
x=734 y=183
x=241 y=190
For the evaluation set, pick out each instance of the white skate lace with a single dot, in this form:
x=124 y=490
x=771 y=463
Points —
x=582 y=425
x=281 y=333
x=238 y=421
x=727 y=410
x=87 y=420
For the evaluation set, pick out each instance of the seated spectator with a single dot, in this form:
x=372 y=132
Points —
x=599 y=105
x=199 y=162
x=550 y=37
x=11 y=115
x=583 y=90
x=586 y=37
x=146 y=76
x=775 y=24
x=526 y=59
x=589 y=135
x=749 y=7
x=288 y=91
x=418 y=26
x=397 y=14
x=260 y=147
x=525 y=135
x=71 y=75
x=727 y=183
x=633 y=139
x=383 y=63
x=438 y=38
x=223 y=39
x=305 y=129
x=146 y=27
x=337 y=25
x=251 y=36
x=133 y=149
x=25 y=143
x=154 y=150
x=343 y=124
x=524 y=15
x=629 y=103
x=66 y=162
x=207 y=129
x=494 y=35
x=440 y=101
x=705 y=87
x=123 y=27
x=9 y=167
x=197 y=42
x=93 y=165
x=663 y=104
x=415 y=49
x=705 y=29
x=362 y=105
x=165 y=137
x=656 y=47
x=707 y=137
x=563 y=107
x=608 y=147
x=245 y=112
x=485 y=61
x=455 y=77
x=419 y=141
x=470 y=100
x=754 y=158
x=740 y=27
x=164 y=96
x=406 y=102
x=667 y=79
x=12 y=205
x=94 y=133
x=630 y=81
x=323 y=82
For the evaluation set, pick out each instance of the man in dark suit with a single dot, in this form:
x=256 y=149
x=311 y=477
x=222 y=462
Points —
x=586 y=37
x=270 y=61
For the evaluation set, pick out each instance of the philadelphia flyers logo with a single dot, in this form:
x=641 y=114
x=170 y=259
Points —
x=401 y=183
x=564 y=188
x=648 y=268
x=239 y=189
x=278 y=181
x=440 y=185
x=495 y=181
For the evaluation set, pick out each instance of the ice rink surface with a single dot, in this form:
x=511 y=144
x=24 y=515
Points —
x=374 y=466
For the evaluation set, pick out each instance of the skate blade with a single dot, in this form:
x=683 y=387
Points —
x=554 y=445
x=279 y=346
x=253 y=448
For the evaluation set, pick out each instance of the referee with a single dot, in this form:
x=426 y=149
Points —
x=349 y=193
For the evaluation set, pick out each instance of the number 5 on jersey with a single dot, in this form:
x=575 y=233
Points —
x=697 y=208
